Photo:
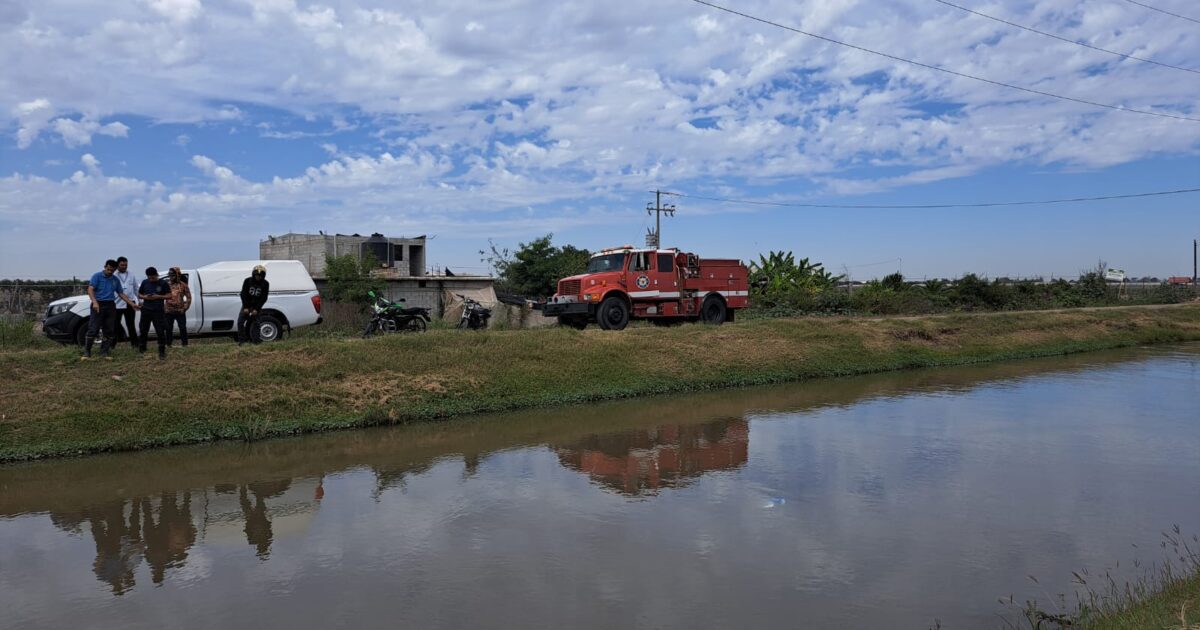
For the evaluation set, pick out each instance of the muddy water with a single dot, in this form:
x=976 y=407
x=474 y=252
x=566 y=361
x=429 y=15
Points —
x=875 y=502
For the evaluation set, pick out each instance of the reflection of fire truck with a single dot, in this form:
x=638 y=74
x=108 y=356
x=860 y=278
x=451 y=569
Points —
x=662 y=285
x=644 y=460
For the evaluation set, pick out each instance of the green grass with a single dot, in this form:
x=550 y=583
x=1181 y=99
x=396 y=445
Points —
x=1164 y=597
x=53 y=405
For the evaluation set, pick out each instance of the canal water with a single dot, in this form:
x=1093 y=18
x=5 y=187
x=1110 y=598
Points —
x=885 y=501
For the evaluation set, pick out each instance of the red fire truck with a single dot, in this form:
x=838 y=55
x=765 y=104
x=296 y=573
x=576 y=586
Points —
x=664 y=286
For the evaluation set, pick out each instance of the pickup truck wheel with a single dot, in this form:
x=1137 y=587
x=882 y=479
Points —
x=578 y=323
x=713 y=311
x=269 y=328
x=613 y=314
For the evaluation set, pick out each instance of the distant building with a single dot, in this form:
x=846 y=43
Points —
x=1179 y=280
x=401 y=257
x=401 y=264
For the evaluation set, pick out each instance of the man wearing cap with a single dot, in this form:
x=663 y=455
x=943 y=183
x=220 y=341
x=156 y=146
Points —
x=153 y=293
x=254 y=296
x=104 y=290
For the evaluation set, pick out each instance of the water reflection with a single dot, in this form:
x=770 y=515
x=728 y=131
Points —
x=894 y=484
x=158 y=530
x=642 y=461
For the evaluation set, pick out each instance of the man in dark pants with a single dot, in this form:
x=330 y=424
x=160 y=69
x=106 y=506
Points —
x=104 y=291
x=153 y=293
x=254 y=296
x=129 y=286
x=179 y=300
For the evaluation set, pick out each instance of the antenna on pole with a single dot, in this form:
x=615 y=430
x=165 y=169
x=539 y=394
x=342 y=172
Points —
x=654 y=239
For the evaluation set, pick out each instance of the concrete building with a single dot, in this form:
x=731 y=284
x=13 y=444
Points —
x=401 y=264
x=396 y=256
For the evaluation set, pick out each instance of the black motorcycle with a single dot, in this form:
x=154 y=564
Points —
x=390 y=317
x=475 y=315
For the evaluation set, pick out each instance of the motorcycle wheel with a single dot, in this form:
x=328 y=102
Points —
x=370 y=329
x=416 y=324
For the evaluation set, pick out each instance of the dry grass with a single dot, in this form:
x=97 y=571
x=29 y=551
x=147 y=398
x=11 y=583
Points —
x=55 y=405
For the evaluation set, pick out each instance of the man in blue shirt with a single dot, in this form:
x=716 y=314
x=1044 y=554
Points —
x=104 y=290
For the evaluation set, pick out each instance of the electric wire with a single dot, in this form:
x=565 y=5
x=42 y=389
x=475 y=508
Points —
x=1182 y=17
x=945 y=70
x=927 y=206
x=1064 y=39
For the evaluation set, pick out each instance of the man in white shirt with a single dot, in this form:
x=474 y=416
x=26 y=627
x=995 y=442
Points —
x=125 y=313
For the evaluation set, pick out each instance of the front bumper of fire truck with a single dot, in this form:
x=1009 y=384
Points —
x=559 y=306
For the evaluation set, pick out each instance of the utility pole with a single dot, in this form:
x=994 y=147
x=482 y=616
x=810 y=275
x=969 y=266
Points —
x=1193 y=265
x=655 y=239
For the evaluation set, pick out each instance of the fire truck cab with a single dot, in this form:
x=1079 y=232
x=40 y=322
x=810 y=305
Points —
x=665 y=286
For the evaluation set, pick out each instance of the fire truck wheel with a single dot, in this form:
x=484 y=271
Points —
x=613 y=314
x=713 y=310
x=578 y=323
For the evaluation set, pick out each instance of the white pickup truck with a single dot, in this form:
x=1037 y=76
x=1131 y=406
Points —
x=216 y=293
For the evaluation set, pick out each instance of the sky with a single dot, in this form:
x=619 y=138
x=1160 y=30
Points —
x=183 y=132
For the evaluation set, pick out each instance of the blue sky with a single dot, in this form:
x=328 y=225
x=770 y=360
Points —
x=184 y=131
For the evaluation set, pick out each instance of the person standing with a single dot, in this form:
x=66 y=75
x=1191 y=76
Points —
x=104 y=290
x=125 y=313
x=153 y=293
x=179 y=300
x=254 y=296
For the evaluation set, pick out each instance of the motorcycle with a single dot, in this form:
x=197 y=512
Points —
x=475 y=315
x=390 y=317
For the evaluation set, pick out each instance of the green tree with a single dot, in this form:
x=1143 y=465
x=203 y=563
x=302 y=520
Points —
x=349 y=279
x=536 y=267
x=778 y=279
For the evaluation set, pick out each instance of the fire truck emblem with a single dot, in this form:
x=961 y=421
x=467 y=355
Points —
x=642 y=282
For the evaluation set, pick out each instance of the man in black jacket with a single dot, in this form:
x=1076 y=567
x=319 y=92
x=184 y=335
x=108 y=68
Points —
x=254 y=296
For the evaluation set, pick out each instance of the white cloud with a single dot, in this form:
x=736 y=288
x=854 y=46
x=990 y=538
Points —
x=91 y=163
x=32 y=117
x=79 y=132
x=177 y=10
x=570 y=100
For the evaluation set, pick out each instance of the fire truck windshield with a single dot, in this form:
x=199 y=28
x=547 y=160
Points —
x=607 y=262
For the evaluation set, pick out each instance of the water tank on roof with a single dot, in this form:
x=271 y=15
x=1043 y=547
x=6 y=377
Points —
x=381 y=247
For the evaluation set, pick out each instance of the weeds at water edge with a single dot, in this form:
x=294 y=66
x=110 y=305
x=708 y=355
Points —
x=1166 y=595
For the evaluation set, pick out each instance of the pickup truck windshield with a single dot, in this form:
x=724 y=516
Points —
x=609 y=262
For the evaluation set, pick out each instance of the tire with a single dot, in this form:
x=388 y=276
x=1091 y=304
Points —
x=81 y=333
x=613 y=314
x=578 y=323
x=269 y=328
x=416 y=324
x=369 y=329
x=713 y=311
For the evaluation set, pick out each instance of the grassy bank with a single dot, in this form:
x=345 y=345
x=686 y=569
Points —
x=54 y=405
x=1166 y=596
x=1174 y=606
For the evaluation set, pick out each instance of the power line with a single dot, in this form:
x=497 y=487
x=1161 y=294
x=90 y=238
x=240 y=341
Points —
x=990 y=204
x=1182 y=17
x=1064 y=39
x=945 y=70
